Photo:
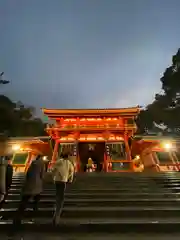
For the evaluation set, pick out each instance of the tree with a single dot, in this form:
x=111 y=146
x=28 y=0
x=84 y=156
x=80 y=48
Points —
x=144 y=121
x=165 y=109
x=6 y=114
x=18 y=120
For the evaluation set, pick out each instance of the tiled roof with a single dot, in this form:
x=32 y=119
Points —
x=133 y=110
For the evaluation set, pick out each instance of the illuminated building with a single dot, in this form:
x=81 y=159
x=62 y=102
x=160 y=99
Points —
x=157 y=153
x=22 y=150
x=105 y=130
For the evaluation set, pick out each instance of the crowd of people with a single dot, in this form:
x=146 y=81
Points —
x=62 y=172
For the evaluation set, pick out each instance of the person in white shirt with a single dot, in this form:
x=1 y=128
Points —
x=63 y=173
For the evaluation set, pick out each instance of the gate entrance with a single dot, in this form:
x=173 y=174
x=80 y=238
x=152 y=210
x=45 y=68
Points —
x=94 y=151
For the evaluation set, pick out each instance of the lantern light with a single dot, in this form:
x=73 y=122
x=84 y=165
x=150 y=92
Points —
x=137 y=157
x=167 y=145
x=16 y=147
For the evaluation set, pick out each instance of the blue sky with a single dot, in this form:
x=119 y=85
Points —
x=86 y=53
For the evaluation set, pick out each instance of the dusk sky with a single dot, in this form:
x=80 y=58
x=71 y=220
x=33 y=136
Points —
x=86 y=53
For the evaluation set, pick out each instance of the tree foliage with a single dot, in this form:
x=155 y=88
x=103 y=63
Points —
x=165 y=109
x=18 y=120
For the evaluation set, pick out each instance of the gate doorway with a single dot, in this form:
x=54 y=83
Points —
x=93 y=150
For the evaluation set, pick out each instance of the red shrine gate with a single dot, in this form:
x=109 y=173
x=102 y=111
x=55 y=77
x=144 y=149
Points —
x=105 y=130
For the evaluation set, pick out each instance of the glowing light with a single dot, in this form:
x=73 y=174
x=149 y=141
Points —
x=44 y=158
x=112 y=138
x=119 y=138
x=137 y=157
x=70 y=120
x=82 y=138
x=167 y=146
x=16 y=147
x=66 y=139
x=70 y=138
x=100 y=138
x=91 y=138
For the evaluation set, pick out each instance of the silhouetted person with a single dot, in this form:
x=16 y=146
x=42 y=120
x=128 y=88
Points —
x=3 y=165
x=84 y=167
x=99 y=166
x=46 y=163
x=9 y=175
x=8 y=180
x=2 y=179
x=96 y=160
x=63 y=173
x=33 y=187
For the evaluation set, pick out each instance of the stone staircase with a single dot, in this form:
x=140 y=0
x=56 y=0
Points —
x=112 y=202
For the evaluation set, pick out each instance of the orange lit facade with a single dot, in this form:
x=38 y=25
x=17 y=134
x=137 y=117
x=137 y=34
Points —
x=23 y=150
x=111 y=127
x=157 y=153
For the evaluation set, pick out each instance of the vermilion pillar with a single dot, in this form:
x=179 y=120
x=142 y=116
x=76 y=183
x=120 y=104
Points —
x=105 y=135
x=128 y=151
x=28 y=161
x=105 y=162
x=55 y=151
x=76 y=137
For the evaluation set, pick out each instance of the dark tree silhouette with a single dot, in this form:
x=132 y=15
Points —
x=165 y=109
x=18 y=121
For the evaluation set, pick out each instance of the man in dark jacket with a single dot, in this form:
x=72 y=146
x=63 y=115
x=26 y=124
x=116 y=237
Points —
x=2 y=178
x=8 y=178
x=9 y=174
x=3 y=149
x=46 y=162
x=33 y=187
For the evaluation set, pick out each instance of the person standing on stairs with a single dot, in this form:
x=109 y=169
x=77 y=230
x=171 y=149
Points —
x=63 y=173
x=2 y=179
x=33 y=187
x=3 y=149
x=8 y=179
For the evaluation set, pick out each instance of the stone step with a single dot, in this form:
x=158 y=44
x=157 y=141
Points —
x=164 y=185
x=100 y=202
x=109 y=185
x=135 y=185
x=118 y=181
x=83 y=227
x=125 y=175
x=104 y=212
x=109 y=191
x=118 y=174
x=135 y=188
x=105 y=195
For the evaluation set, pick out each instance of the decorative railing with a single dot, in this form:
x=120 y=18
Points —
x=120 y=166
x=109 y=126
x=169 y=167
